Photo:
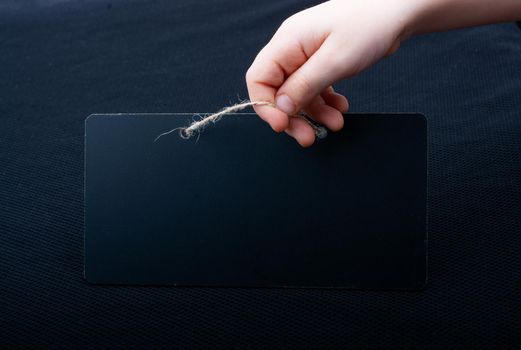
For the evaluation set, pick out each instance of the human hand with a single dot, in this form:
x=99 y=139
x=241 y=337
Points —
x=314 y=49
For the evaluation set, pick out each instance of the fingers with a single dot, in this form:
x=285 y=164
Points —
x=260 y=88
x=321 y=70
x=277 y=119
x=322 y=113
x=267 y=73
x=301 y=131
x=289 y=49
x=325 y=114
x=335 y=100
x=296 y=75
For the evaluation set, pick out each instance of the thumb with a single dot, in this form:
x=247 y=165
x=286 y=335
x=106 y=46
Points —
x=321 y=70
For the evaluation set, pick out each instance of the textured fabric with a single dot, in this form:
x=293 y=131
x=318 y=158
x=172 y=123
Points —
x=62 y=62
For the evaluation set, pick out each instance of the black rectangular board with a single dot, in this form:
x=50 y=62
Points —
x=243 y=206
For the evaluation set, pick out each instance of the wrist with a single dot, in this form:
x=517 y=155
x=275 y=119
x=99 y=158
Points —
x=425 y=16
x=414 y=14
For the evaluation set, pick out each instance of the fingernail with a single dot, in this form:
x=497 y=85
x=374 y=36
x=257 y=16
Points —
x=284 y=103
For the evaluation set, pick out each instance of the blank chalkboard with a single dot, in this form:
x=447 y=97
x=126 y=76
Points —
x=241 y=205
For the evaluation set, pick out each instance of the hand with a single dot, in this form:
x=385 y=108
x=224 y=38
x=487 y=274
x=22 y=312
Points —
x=314 y=49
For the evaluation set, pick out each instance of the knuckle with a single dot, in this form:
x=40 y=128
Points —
x=248 y=74
x=302 y=85
x=290 y=22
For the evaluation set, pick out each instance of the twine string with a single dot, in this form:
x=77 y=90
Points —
x=197 y=126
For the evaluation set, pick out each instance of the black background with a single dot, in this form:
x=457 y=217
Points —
x=61 y=62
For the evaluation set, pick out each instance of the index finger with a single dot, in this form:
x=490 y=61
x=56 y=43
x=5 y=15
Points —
x=263 y=79
x=274 y=63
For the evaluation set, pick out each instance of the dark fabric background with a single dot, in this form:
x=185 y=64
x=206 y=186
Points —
x=61 y=62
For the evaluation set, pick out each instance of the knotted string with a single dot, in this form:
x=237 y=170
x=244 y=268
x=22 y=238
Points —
x=197 y=126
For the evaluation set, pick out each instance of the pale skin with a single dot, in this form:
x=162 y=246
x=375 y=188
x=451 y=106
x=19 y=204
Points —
x=338 y=39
